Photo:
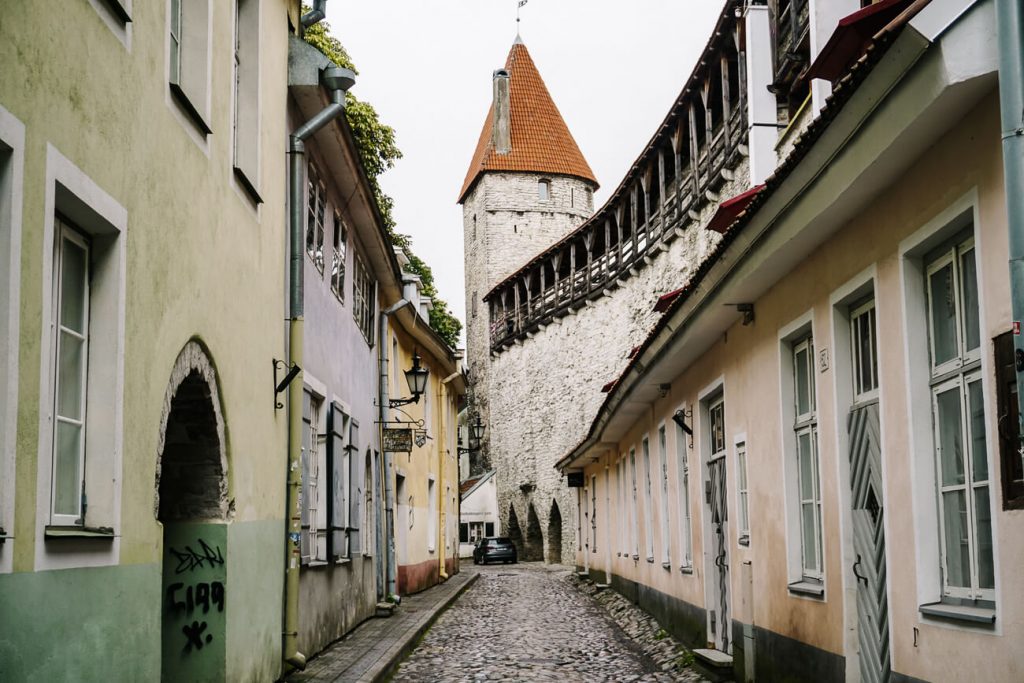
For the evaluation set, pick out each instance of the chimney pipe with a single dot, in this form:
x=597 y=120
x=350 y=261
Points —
x=501 y=131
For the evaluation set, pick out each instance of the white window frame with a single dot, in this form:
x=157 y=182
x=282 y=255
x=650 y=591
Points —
x=620 y=492
x=67 y=234
x=593 y=513
x=12 y=176
x=742 y=492
x=634 y=512
x=685 y=522
x=544 y=190
x=869 y=312
x=363 y=298
x=316 y=217
x=317 y=526
x=806 y=425
x=432 y=514
x=189 y=48
x=72 y=194
x=802 y=580
x=645 y=448
x=340 y=256
x=958 y=374
x=666 y=551
x=246 y=120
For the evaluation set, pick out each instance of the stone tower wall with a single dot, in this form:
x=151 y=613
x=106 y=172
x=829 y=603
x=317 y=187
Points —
x=542 y=393
x=505 y=224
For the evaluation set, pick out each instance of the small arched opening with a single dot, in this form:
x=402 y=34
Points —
x=534 y=550
x=555 y=534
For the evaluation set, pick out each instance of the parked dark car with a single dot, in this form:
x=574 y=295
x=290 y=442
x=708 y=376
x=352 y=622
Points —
x=498 y=549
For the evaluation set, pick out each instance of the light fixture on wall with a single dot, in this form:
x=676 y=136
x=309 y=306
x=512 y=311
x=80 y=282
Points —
x=476 y=434
x=680 y=417
x=416 y=376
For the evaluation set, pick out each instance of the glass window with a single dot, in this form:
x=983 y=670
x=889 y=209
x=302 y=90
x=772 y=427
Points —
x=958 y=414
x=314 y=469
x=864 y=351
x=666 y=555
x=648 y=500
x=72 y=342
x=593 y=513
x=340 y=254
x=634 y=513
x=686 y=549
x=363 y=299
x=544 y=190
x=316 y=205
x=807 y=459
x=741 y=483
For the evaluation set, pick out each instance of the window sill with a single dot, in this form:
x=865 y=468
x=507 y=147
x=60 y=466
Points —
x=314 y=564
x=974 y=615
x=811 y=588
x=250 y=189
x=636 y=558
x=686 y=570
x=182 y=99
x=341 y=561
x=745 y=540
x=103 y=533
x=666 y=565
x=651 y=560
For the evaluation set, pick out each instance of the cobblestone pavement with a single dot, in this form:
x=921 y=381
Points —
x=529 y=622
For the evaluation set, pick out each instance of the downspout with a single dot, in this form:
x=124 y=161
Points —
x=339 y=81
x=389 y=491
x=441 y=451
x=1010 y=24
x=317 y=14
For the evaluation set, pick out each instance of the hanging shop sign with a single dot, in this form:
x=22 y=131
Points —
x=397 y=440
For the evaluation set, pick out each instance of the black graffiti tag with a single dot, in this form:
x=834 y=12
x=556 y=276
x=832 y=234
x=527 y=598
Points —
x=205 y=595
x=194 y=636
x=189 y=559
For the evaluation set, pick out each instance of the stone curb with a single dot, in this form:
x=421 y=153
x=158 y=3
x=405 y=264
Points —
x=401 y=648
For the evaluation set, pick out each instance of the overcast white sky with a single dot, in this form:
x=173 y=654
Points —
x=613 y=69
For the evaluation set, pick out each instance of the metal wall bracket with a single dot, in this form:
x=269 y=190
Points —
x=282 y=384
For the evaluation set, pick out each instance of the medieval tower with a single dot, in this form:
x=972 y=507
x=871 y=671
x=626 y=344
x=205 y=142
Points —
x=527 y=187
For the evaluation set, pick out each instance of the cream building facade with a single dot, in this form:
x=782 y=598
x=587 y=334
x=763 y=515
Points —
x=806 y=466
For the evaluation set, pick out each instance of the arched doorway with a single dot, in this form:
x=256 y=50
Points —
x=192 y=505
x=515 y=533
x=555 y=534
x=534 y=537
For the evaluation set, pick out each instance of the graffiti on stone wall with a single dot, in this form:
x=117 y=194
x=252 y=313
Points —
x=189 y=559
x=193 y=602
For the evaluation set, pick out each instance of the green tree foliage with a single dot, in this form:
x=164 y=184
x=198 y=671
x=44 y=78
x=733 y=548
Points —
x=378 y=152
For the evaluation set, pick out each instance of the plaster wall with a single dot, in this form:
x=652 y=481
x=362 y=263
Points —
x=964 y=162
x=200 y=260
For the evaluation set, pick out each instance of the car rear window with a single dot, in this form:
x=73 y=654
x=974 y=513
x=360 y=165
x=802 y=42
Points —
x=498 y=543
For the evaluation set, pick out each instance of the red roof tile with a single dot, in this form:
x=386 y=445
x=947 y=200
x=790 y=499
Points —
x=541 y=142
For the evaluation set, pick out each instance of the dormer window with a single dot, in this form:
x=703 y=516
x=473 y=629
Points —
x=544 y=190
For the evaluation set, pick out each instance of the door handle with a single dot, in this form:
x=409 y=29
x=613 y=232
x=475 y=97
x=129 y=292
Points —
x=859 y=576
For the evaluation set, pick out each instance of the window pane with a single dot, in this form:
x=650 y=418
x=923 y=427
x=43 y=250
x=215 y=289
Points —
x=866 y=352
x=803 y=396
x=808 y=535
x=806 y=468
x=983 y=520
x=950 y=437
x=71 y=366
x=73 y=286
x=976 y=406
x=954 y=513
x=969 y=285
x=943 y=314
x=67 y=479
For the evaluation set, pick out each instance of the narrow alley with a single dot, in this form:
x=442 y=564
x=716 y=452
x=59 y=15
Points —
x=529 y=622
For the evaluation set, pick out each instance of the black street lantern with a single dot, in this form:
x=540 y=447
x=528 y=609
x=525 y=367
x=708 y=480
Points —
x=478 y=429
x=416 y=376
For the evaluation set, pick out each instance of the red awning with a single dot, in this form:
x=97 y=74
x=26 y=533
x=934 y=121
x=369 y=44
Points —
x=665 y=300
x=730 y=210
x=851 y=38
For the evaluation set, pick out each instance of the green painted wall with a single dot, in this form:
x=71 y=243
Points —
x=97 y=624
x=255 y=596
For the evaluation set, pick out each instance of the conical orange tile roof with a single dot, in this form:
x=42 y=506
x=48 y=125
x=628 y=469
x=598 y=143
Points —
x=541 y=142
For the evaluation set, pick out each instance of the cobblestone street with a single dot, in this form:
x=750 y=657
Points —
x=529 y=622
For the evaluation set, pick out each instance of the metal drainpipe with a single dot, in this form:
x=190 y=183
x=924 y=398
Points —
x=339 y=80
x=1010 y=24
x=442 y=449
x=389 y=490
